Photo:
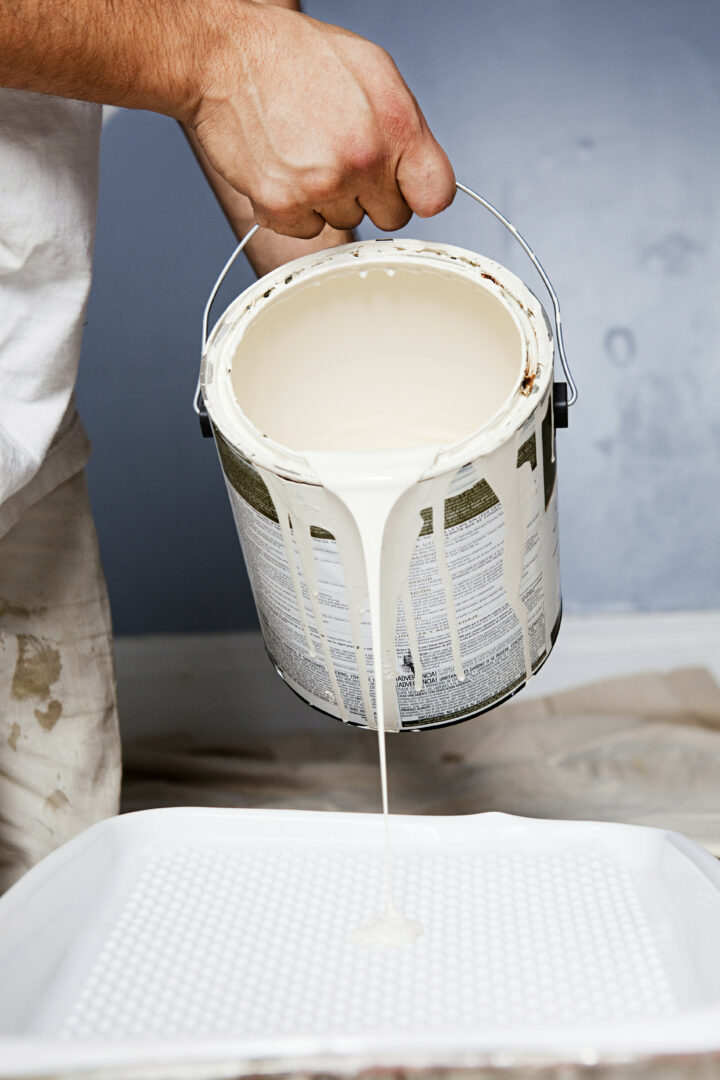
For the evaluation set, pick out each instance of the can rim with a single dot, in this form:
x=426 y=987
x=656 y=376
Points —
x=521 y=304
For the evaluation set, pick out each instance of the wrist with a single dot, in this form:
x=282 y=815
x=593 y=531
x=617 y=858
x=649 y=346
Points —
x=215 y=54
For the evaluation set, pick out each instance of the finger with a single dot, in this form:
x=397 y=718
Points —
x=386 y=206
x=304 y=223
x=342 y=214
x=425 y=175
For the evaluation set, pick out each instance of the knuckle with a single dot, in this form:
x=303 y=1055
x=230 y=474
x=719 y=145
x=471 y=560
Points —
x=321 y=184
x=364 y=156
x=274 y=203
x=400 y=116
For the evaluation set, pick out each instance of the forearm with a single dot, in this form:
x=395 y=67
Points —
x=311 y=122
x=134 y=53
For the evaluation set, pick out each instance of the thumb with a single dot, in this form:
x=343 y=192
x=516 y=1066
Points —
x=425 y=176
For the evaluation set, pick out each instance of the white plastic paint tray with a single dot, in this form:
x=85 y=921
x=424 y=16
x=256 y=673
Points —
x=213 y=935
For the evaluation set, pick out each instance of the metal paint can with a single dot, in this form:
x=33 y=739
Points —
x=500 y=485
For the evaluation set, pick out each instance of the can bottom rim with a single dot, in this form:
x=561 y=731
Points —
x=440 y=723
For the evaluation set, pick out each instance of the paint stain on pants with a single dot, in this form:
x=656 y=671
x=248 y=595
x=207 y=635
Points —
x=38 y=666
x=59 y=741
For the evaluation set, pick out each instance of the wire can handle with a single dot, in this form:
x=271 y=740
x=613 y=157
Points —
x=562 y=399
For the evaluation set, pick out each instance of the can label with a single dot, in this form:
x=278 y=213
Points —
x=490 y=635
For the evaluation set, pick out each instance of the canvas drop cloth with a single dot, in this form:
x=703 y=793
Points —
x=642 y=749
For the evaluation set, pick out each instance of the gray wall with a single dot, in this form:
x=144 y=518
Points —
x=594 y=126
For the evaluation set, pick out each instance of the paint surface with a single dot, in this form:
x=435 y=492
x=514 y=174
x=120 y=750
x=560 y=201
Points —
x=377 y=359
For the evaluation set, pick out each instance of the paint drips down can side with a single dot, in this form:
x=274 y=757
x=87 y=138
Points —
x=471 y=627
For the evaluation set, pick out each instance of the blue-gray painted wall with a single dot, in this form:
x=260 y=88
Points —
x=594 y=126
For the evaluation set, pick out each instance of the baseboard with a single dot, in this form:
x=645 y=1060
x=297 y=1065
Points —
x=224 y=684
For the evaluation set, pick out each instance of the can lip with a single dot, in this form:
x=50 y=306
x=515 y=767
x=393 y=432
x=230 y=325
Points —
x=522 y=305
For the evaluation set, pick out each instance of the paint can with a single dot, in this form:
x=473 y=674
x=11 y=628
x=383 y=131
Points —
x=439 y=328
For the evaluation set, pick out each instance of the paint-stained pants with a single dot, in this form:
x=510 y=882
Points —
x=59 y=742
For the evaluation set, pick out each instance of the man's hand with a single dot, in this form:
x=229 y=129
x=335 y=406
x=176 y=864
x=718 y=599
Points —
x=267 y=250
x=315 y=125
x=312 y=123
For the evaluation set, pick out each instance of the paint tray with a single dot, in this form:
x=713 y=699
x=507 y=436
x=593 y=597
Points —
x=203 y=935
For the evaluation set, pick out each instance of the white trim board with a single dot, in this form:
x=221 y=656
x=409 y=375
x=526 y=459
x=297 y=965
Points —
x=224 y=684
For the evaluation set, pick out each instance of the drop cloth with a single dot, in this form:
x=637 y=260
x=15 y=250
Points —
x=643 y=749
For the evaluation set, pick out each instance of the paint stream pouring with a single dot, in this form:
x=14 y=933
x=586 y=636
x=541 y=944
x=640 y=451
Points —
x=384 y=414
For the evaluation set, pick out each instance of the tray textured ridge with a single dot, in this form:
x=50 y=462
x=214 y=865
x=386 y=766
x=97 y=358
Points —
x=258 y=943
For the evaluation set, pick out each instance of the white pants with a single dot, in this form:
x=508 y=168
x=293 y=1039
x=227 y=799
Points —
x=59 y=740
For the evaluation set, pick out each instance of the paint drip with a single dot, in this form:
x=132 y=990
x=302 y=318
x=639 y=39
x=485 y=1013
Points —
x=384 y=492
